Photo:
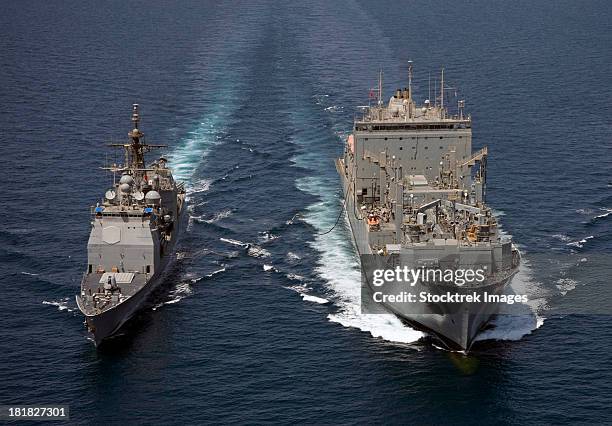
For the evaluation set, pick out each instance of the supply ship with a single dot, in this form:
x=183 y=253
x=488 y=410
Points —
x=134 y=230
x=415 y=196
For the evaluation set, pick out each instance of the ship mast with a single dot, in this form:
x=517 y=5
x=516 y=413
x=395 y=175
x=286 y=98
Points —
x=137 y=149
x=380 y=83
x=442 y=95
x=409 y=89
x=410 y=81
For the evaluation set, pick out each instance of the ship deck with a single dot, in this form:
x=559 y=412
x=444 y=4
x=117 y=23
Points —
x=93 y=284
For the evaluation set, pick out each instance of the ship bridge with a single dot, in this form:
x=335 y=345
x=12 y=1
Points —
x=402 y=114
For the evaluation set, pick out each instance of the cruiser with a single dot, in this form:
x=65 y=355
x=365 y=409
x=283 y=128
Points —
x=134 y=230
x=415 y=196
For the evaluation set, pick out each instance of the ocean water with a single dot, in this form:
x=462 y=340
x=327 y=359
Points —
x=254 y=100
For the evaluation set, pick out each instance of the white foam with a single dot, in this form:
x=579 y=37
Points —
x=267 y=236
x=292 y=256
x=562 y=237
x=320 y=98
x=181 y=291
x=523 y=319
x=198 y=186
x=387 y=327
x=295 y=277
x=315 y=299
x=584 y=211
x=269 y=268
x=604 y=215
x=256 y=251
x=212 y=274
x=193 y=148
x=62 y=305
x=566 y=285
x=581 y=243
x=511 y=327
x=218 y=271
x=234 y=242
x=292 y=220
x=298 y=288
x=217 y=217
x=31 y=274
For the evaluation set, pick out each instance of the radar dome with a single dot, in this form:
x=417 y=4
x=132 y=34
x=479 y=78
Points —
x=125 y=188
x=127 y=179
x=152 y=197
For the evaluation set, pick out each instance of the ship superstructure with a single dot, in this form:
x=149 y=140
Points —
x=416 y=192
x=134 y=229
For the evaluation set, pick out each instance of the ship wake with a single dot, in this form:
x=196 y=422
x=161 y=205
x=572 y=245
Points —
x=519 y=320
x=339 y=268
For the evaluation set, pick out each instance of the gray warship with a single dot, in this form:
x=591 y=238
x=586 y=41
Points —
x=415 y=196
x=134 y=230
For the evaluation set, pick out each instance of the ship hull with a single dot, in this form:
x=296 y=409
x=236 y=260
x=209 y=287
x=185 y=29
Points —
x=107 y=323
x=455 y=327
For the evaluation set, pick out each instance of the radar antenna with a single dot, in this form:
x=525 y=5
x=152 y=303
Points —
x=410 y=81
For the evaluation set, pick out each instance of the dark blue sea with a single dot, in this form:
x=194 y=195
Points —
x=255 y=100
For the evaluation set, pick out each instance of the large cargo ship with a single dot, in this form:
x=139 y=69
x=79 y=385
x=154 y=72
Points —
x=415 y=197
x=134 y=229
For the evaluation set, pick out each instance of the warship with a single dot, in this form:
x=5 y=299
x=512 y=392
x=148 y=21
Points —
x=134 y=230
x=415 y=197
